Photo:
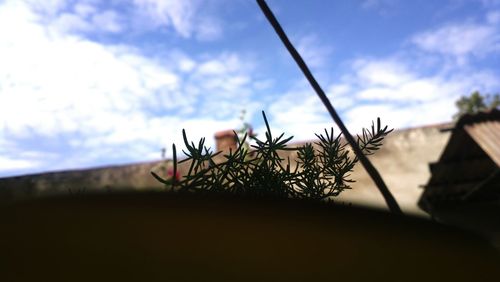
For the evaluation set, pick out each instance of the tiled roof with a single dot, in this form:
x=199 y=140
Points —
x=487 y=136
x=470 y=163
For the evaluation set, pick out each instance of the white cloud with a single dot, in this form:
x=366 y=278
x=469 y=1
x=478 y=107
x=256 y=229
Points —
x=178 y=14
x=493 y=17
x=222 y=83
x=212 y=67
x=47 y=7
x=80 y=17
x=227 y=63
x=386 y=88
x=314 y=53
x=108 y=21
x=13 y=158
x=299 y=113
x=389 y=80
x=185 y=17
x=415 y=90
x=461 y=40
x=67 y=22
x=8 y=164
x=104 y=102
x=262 y=84
x=186 y=64
x=84 y=9
x=208 y=29
x=340 y=96
x=412 y=98
x=398 y=116
x=381 y=73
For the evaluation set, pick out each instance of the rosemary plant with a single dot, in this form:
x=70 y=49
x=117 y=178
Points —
x=320 y=172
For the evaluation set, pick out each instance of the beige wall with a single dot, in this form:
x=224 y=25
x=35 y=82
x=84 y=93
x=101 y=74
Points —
x=402 y=161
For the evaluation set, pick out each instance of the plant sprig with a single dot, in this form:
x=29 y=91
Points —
x=321 y=171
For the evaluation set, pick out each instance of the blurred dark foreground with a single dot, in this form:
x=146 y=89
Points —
x=172 y=237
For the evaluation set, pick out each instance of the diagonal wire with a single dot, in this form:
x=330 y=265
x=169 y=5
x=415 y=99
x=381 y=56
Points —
x=372 y=171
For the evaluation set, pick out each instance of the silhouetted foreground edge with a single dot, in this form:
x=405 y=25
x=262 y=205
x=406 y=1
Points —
x=176 y=237
x=372 y=171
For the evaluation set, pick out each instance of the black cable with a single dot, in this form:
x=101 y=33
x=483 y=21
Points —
x=372 y=171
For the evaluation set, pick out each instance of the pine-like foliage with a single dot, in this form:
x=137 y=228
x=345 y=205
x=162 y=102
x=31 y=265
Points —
x=321 y=171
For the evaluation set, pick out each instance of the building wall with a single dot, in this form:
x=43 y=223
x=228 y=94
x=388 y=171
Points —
x=106 y=179
x=402 y=162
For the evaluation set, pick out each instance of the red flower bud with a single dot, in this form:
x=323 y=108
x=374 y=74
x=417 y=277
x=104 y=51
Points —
x=170 y=173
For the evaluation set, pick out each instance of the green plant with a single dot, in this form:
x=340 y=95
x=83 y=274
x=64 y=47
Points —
x=476 y=103
x=321 y=171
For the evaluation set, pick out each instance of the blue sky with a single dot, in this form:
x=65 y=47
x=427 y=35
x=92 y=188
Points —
x=91 y=83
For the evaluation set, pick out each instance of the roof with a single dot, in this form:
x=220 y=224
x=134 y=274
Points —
x=487 y=136
x=482 y=129
x=469 y=167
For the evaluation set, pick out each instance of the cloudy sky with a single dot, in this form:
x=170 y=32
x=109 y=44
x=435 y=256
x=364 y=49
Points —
x=91 y=83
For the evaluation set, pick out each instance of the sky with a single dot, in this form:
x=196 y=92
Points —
x=100 y=82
